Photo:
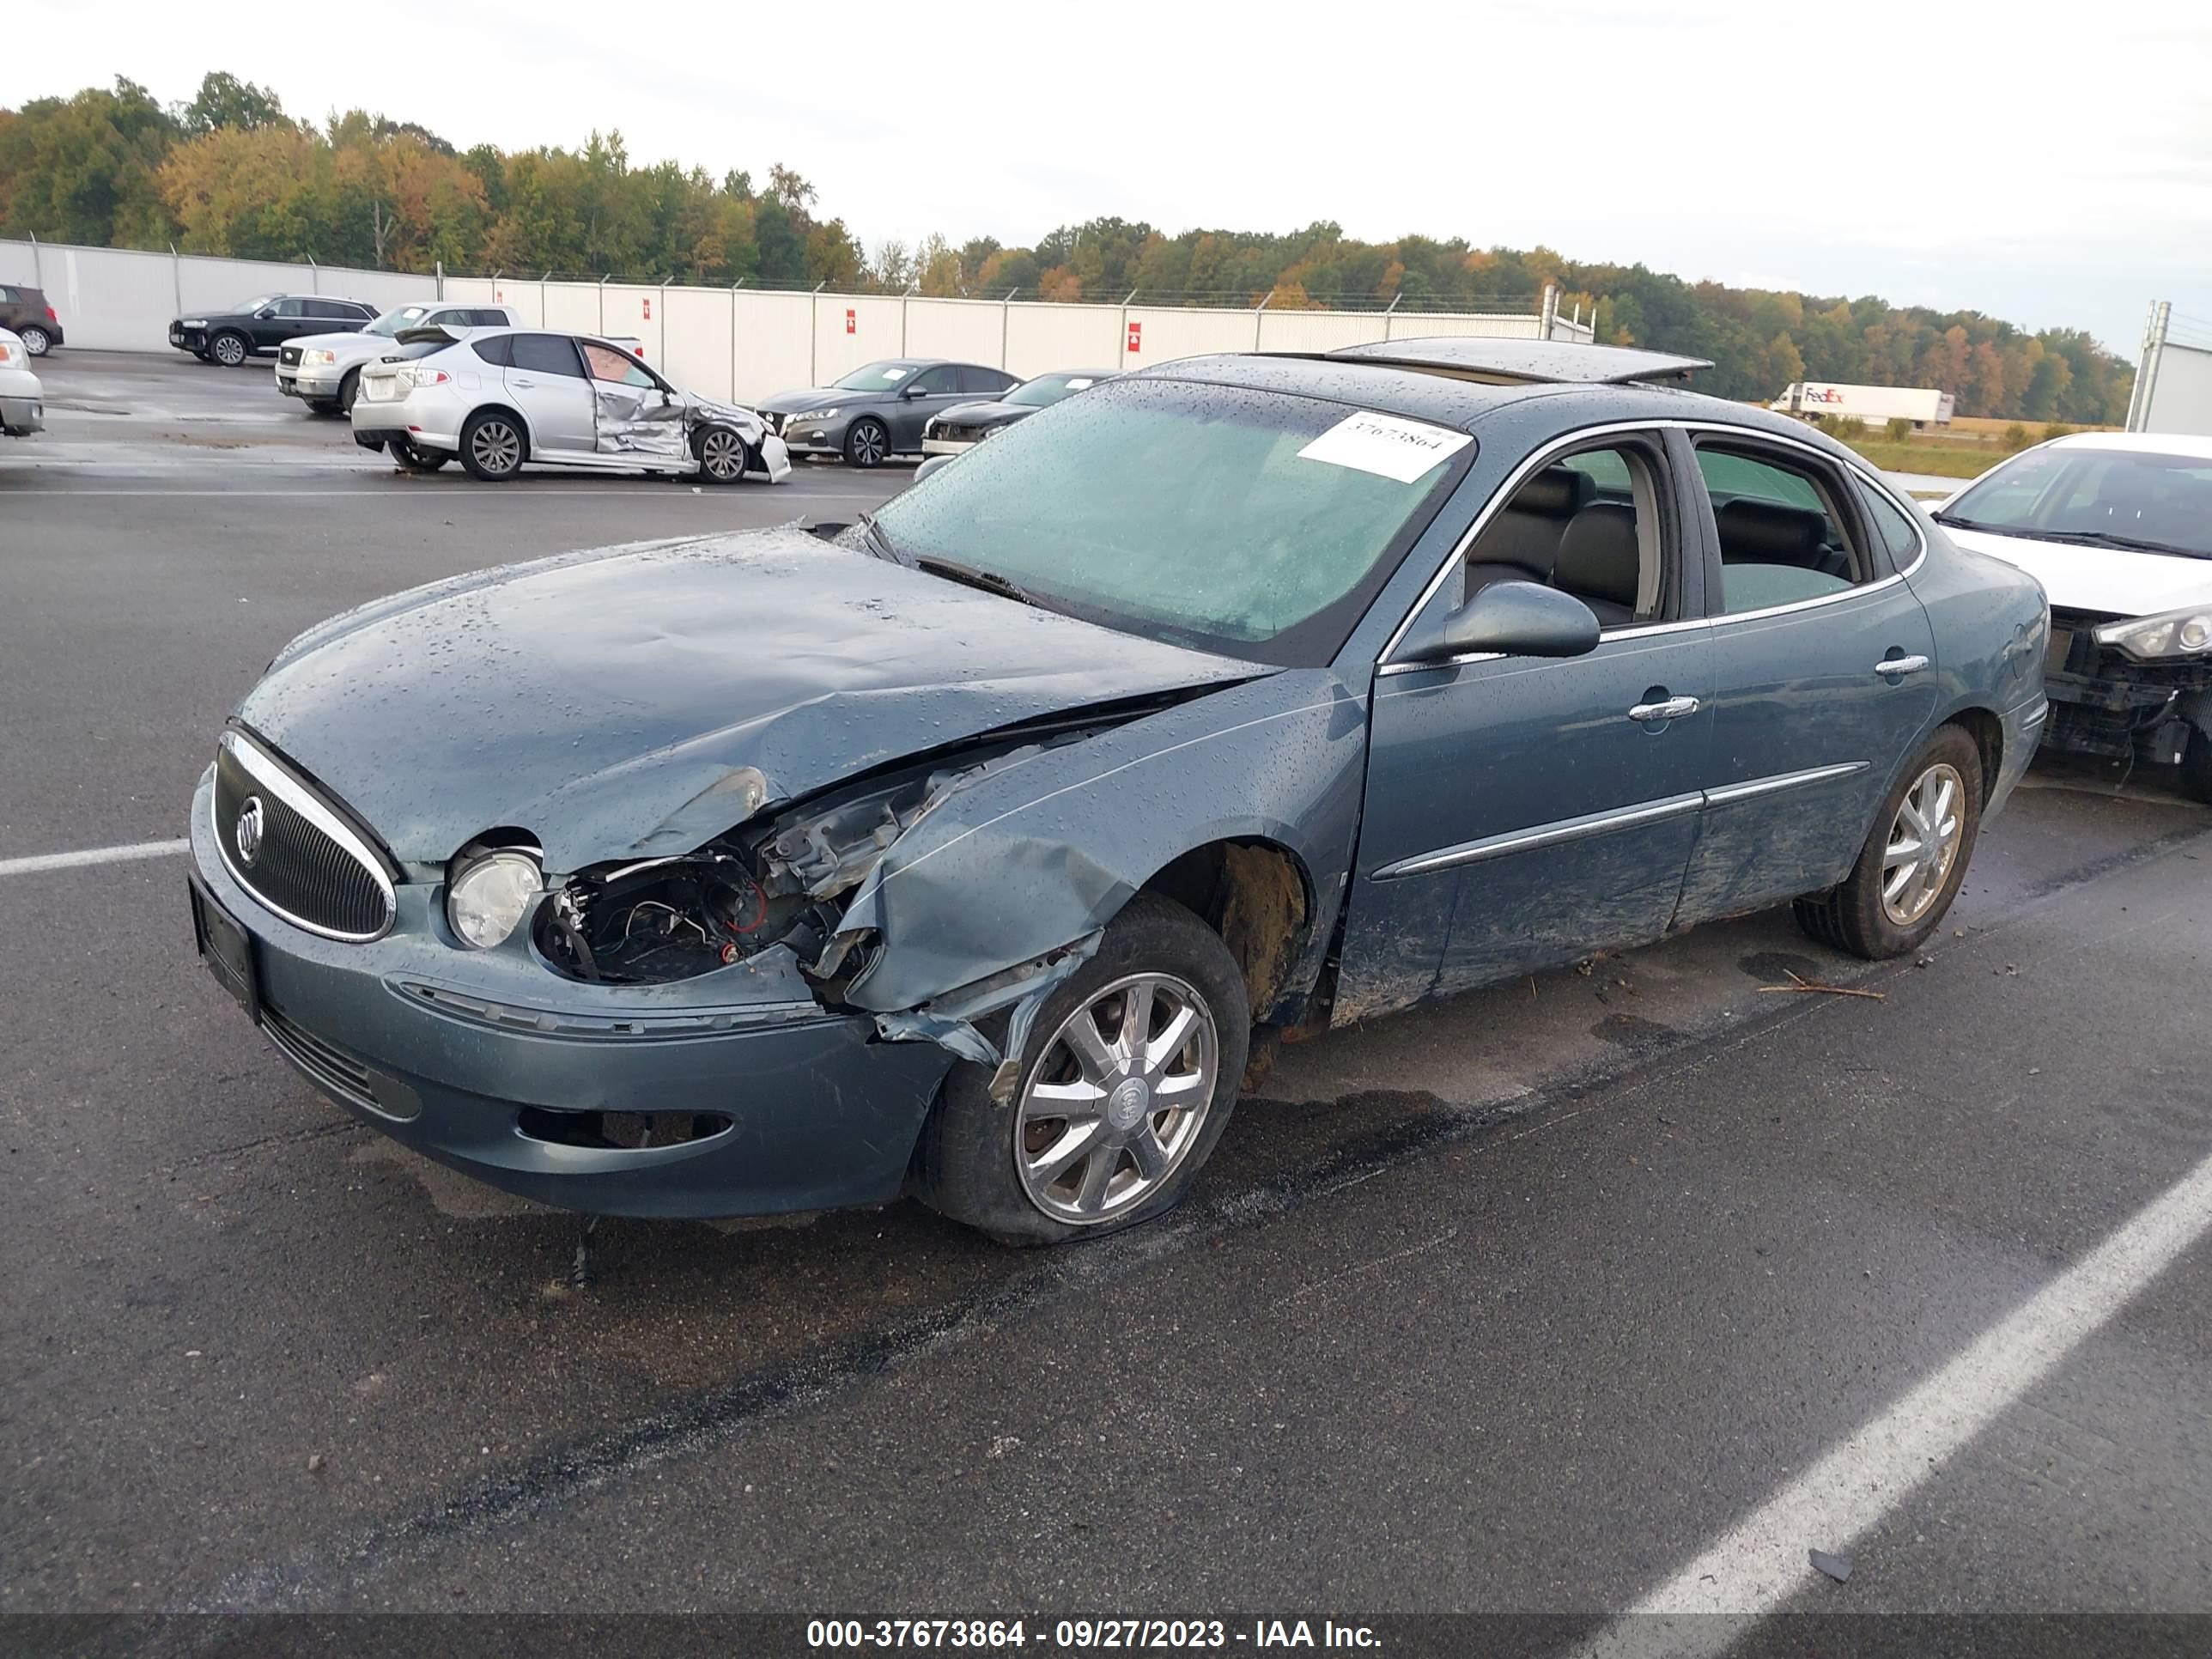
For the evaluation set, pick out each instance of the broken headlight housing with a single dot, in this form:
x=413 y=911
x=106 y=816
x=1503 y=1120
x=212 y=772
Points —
x=489 y=893
x=2184 y=633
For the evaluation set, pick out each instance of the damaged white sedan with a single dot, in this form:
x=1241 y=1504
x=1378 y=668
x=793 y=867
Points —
x=501 y=398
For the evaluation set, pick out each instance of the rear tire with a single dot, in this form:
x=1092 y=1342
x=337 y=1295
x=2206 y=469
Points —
x=493 y=446
x=2197 y=766
x=229 y=349
x=723 y=456
x=1007 y=1170
x=1914 y=857
x=36 y=340
x=416 y=460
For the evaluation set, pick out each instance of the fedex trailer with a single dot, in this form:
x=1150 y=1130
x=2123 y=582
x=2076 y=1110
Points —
x=1922 y=405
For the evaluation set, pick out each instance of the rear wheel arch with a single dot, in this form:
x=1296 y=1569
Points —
x=1987 y=730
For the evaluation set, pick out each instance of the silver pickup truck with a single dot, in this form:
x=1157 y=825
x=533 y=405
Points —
x=323 y=370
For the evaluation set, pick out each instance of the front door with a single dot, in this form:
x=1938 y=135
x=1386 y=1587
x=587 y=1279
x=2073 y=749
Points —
x=1826 y=670
x=545 y=378
x=637 y=413
x=1523 y=812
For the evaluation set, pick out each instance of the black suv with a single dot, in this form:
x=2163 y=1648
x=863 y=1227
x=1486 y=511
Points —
x=25 y=311
x=230 y=337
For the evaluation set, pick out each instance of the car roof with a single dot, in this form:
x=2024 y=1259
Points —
x=1550 y=361
x=2139 y=443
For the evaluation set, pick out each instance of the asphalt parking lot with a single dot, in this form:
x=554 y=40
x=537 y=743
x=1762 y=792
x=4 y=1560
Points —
x=1617 y=1289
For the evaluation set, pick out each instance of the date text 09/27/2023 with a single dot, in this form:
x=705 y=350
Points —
x=996 y=1635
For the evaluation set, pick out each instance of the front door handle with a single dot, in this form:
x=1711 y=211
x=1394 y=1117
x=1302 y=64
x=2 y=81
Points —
x=1890 y=667
x=1674 y=709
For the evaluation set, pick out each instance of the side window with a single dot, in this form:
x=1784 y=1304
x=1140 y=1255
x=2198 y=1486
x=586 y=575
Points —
x=331 y=311
x=1896 y=530
x=291 y=307
x=498 y=351
x=488 y=320
x=1783 y=538
x=619 y=366
x=989 y=382
x=7 y=295
x=547 y=353
x=1593 y=525
x=934 y=382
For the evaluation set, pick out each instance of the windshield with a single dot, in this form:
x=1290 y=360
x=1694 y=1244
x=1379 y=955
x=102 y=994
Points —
x=2110 y=497
x=874 y=377
x=1189 y=513
x=392 y=321
x=1047 y=389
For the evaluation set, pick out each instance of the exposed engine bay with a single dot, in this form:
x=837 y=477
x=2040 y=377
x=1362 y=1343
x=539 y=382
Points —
x=762 y=884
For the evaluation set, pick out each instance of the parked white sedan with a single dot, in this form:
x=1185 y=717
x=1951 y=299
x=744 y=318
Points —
x=502 y=399
x=22 y=399
x=2117 y=527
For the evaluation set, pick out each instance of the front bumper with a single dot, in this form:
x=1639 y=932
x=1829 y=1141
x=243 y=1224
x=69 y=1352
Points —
x=319 y=383
x=188 y=339
x=465 y=1056
x=20 y=416
x=2105 y=704
x=804 y=437
x=946 y=446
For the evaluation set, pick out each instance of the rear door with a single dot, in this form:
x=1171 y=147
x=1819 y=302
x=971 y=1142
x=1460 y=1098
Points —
x=1521 y=812
x=545 y=379
x=929 y=393
x=1825 y=664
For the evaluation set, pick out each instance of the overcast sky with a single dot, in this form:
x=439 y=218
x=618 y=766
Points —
x=2049 y=164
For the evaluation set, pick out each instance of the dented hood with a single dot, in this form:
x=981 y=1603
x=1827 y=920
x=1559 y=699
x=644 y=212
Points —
x=611 y=703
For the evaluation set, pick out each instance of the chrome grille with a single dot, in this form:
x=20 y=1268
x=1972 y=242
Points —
x=329 y=1069
x=296 y=855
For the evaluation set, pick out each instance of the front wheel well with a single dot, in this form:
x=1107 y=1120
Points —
x=1257 y=896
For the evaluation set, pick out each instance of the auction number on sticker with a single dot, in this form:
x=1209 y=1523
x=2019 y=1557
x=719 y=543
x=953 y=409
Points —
x=985 y=1633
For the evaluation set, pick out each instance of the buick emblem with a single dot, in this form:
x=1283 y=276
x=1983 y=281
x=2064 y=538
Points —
x=248 y=831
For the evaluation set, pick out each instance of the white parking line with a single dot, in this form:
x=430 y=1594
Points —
x=441 y=492
x=1760 y=1563
x=136 y=849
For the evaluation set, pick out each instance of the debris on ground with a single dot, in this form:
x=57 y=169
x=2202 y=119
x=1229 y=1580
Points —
x=1837 y=1567
x=1799 y=983
x=315 y=1462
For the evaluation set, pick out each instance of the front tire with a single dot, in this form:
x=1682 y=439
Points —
x=2197 y=766
x=492 y=445
x=229 y=349
x=1126 y=1082
x=349 y=390
x=722 y=455
x=868 y=443
x=1914 y=860
x=36 y=340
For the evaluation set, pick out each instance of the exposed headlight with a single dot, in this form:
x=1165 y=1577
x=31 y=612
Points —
x=318 y=355
x=488 y=893
x=814 y=414
x=2171 y=633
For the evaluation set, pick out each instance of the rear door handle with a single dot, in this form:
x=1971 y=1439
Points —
x=1890 y=667
x=1674 y=709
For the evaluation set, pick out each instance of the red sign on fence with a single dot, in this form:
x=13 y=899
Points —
x=852 y=325
x=648 y=307
x=1136 y=336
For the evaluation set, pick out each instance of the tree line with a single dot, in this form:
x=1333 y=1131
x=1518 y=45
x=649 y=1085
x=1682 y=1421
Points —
x=229 y=173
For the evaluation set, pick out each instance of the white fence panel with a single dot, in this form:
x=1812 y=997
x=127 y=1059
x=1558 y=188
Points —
x=1501 y=326
x=2180 y=397
x=1319 y=330
x=853 y=329
x=637 y=310
x=1042 y=337
x=573 y=307
x=970 y=331
x=1162 y=336
x=698 y=333
x=104 y=300
x=775 y=349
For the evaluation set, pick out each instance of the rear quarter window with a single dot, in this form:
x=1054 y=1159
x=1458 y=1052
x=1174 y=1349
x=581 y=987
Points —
x=499 y=351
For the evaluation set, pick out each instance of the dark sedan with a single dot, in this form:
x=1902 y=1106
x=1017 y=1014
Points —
x=879 y=410
x=963 y=426
x=263 y=323
x=971 y=852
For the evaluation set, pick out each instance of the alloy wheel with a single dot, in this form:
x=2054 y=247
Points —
x=229 y=351
x=497 y=448
x=1117 y=1099
x=869 y=444
x=723 y=454
x=1923 y=843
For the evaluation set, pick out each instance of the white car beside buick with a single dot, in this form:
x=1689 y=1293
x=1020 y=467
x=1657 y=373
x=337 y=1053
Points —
x=22 y=398
x=2117 y=527
x=323 y=370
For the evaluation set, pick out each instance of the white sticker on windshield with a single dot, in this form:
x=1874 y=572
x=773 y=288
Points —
x=1385 y=445
x=894 y=374
x=1078 y=385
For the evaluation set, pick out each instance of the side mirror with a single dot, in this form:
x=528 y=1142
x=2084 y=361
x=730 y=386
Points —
x=1512 y=619
x=933 y=464
x=264 y=313
x=913 y=391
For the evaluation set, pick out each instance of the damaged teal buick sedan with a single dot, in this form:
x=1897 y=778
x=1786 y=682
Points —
x=970 y=850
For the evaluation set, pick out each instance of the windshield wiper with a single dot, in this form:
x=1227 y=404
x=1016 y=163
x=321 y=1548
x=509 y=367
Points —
x=878 y=542
x=989 y=580
x=1953 y=521
x=2108 y=538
